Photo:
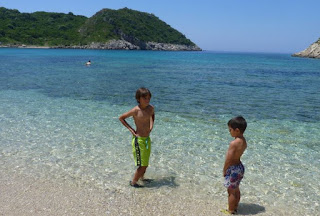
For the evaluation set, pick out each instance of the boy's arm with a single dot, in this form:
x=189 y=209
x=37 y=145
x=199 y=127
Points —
x=229 y=157
x=125 y=123
x=152 y=119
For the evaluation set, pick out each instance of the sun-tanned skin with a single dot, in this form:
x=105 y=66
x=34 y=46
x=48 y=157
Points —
x=233 y=155
x=144 y=117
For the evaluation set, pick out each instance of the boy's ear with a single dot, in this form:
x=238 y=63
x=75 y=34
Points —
x=237 y=130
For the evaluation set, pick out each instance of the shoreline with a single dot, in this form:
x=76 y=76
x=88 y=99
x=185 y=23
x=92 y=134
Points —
x=115 y=45
x=26 y=47
x=27 y=195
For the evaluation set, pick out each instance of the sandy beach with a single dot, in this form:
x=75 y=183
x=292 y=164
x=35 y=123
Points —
x=26 y=195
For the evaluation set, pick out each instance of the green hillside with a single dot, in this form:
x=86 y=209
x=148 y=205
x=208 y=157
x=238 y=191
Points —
x=59 y=29
x=133 y=26
x=39 y=28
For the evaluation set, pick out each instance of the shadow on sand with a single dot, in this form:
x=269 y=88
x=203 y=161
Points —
x=166 y=181
x=250 y=209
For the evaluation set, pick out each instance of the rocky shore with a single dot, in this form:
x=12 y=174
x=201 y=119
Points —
x=24 y=46
x=313 y=51
x=119 y=45
x=126 y=45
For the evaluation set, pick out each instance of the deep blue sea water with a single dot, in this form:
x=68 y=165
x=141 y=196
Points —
x=59 y=119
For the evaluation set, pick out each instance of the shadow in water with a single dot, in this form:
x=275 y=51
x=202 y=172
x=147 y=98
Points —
x=165 y=181
x=250 y=209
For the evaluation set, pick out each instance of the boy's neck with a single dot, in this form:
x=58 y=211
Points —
x=143 y=107
x=240 y=136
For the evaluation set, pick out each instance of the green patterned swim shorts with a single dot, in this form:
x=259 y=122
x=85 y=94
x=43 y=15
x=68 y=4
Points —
x=141 y=148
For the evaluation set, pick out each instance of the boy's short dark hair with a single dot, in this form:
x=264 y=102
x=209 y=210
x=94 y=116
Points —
x=142 y=92
x=238 y=122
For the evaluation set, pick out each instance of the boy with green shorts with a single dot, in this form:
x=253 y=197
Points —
x=143 y=116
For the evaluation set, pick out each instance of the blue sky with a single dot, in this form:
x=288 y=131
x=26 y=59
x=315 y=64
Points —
x=282 y=26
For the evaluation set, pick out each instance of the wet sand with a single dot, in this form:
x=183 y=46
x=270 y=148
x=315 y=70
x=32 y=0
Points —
x=25 y=195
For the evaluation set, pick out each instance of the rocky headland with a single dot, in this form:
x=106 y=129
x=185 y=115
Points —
x=313 y=51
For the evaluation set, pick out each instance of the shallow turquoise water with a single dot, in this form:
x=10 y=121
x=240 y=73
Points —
x=59 y=119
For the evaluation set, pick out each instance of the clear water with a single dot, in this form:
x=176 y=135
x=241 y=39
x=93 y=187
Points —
x=59 y=119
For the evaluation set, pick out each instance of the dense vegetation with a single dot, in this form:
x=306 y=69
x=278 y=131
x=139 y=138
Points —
x=131 y=25
x=39 y=28
x=54 y=29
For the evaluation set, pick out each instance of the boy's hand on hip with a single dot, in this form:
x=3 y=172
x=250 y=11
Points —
x=134 y=133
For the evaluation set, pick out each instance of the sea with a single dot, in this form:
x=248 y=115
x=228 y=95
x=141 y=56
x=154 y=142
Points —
x=59 y=120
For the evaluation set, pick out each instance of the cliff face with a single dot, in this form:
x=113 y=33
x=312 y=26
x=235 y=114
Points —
x=313 y=51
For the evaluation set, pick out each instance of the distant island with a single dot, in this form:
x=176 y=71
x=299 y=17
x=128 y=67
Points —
x=123 y=29
x=313 y=51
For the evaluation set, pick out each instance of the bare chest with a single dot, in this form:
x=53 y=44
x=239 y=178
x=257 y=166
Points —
x=143 y=115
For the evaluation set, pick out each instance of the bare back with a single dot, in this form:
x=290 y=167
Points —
x=239 y=145
x=234 y=153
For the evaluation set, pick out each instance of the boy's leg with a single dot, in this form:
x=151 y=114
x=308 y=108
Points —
x=138 y=174
x=233 y=199
x=238 y=195
x=142 y=176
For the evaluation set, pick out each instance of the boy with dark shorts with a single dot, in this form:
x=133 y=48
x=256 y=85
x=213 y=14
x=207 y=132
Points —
x=233 y=169
x=143 y=116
